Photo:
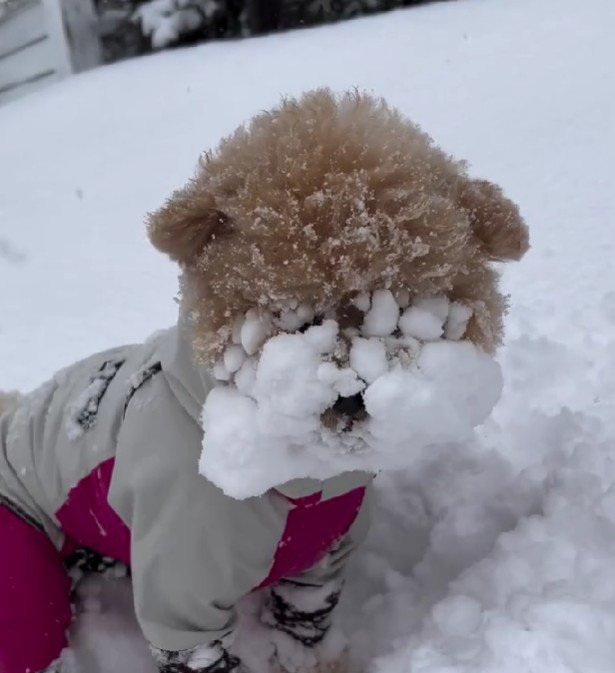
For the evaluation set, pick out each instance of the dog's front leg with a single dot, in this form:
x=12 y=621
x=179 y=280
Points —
x=301 y=617
x=300 y=612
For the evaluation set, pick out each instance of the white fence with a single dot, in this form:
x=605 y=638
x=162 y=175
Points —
x=42 y=41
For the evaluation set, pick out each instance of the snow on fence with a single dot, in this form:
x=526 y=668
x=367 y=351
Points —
x=42 y=41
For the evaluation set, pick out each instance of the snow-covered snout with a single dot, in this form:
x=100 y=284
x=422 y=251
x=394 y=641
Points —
x=367 y=386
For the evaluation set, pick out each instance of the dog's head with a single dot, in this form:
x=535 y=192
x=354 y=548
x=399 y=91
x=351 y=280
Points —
x=321 y=247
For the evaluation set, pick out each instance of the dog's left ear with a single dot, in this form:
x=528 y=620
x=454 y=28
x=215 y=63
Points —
x=185 y=224
x=496 y=220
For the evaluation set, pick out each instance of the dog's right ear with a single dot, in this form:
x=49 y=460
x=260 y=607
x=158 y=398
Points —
x=495 y=220
x=185 y=224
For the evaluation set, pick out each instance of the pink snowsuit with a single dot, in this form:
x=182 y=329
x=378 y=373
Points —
x=126 y=499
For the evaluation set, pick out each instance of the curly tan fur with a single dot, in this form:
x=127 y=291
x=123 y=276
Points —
x=327 y=196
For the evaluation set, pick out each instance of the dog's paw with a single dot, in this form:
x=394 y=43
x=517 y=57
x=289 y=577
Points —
x=290 y=655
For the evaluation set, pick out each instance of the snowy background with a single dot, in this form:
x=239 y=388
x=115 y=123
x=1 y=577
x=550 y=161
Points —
x=495 y=555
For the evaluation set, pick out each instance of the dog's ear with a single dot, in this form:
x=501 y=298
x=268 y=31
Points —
x=185 y=224
x=496 y=220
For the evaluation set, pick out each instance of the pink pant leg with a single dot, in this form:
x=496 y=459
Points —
x=35 y=607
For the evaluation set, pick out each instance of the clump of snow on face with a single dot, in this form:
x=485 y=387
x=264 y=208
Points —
x=221 y=373
x=368 y=357
x=382 y=317
x=234 y=357
x=363 y=301
x=274 y=416
x=254 y=330
x=425 y=318
x=344 y=381
x=287 y=381
x=438 y=305
x=290 y=321
x=451 y=388
x=246 y=376
x=457 y=321
x=236 y=328
x=322 y=337
x=256 y=442
x=402 y=350
x=305 y=313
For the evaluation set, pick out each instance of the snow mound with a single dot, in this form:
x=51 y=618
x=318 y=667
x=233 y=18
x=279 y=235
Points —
x=538 y=595
x=318 y=401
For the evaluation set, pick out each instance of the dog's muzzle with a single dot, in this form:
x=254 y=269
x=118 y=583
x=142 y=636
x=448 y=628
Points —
x=350 y=407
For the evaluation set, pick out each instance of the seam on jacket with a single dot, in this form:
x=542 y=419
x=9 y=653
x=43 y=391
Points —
x=139 y=379
x=87 y=405
x=18 y=511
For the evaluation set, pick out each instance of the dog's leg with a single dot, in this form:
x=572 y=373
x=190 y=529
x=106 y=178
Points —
x=300 y=612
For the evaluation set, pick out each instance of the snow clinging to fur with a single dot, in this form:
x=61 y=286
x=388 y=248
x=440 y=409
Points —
x=326 y=399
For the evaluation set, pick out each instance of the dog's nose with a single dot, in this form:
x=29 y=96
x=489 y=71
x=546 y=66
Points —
x=350 y=406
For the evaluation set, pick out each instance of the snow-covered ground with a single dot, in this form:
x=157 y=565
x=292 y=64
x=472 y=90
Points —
x=492 y=556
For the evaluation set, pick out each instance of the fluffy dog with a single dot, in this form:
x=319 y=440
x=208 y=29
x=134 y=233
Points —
x=338 y=313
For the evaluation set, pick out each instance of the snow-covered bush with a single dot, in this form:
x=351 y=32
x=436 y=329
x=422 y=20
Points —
x=304 y=398
x=130 y=27
x=166 y=22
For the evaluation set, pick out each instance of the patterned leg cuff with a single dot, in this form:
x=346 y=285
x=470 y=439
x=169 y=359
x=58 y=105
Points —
x=305 y=621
